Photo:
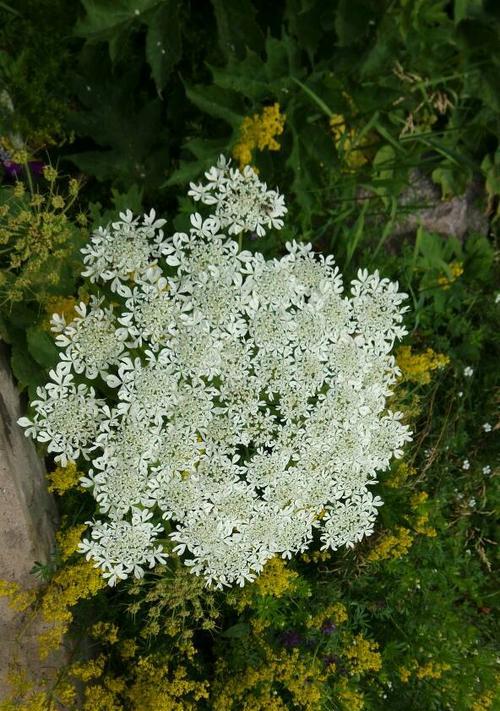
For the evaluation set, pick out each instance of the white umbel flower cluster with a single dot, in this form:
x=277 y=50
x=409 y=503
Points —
x=248 y=413
x=241 y=202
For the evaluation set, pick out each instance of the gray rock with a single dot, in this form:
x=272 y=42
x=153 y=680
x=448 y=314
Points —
x=452 y=218
x=27 y=518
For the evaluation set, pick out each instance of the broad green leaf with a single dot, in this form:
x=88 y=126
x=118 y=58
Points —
x=352 y=21
x=187 y=171
x=24 y=367
x=164 y=41
x=105 y=15
x=240 y=629
x=237 y=28
x=41 y=347
x=247 y=77
x=219 y=103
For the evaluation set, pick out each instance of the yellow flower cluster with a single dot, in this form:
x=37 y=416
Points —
x=363 y=655
x=175 y=603
x=105 y=632
x=63 y=478
x=335 y=613
x=347 y=142
x=456 y=270
x=351 y=700
x=69 y=585
x=155 y=689
x=276 y=579
x=32 y=701
x=103 y=696
x=431 y=670
x=418 y=503
x=484 y=702
x=36 y=237
x=400 y=474
x=316 y=556
x=19 y=599
x=68 y=540
x=416 y=367
x=259 y=688
x=88 y=670
x=392 y=545
x=404 y=674
x=259 y=132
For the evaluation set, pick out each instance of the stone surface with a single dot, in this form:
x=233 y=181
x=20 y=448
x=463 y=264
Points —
x=27 y=518
x=455 y=217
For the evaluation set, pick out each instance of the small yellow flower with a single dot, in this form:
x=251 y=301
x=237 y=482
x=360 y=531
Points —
x=259 y=132
x=456 y=270
x=392 y=545
x=19 y=190
x=347 y=143
x=68 y=540
x=363 y=655
x=416 y=367
x=105 y=632
x=50 y=173
x=57 y=202
x=63 y=478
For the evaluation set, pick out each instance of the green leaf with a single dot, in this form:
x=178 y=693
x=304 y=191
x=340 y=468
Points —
x=248 y=77
x=130 y=200
x=237 y=28
x=109 y=16
x=466 y=8
x=352 y=20
x=240 y=629
x=164 y=41
x=24 y=367
x=217 y=102
x=41 y=347
x=187 y=170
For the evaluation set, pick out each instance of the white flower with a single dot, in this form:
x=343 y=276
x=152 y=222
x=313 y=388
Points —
x=123 y=547
x=466 y=465
x=248 y=397
x=124 y=250
x=242 y=203
x=67 y=416
x=92 y=341
x=487 y=469
x=468 y=371
x=487 y=427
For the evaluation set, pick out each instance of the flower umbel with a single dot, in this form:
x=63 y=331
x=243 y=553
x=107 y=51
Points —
x=248 y=396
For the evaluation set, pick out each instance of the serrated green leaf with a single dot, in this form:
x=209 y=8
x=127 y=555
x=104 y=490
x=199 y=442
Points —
x=129 y=200
x=237 y=28
x=247 y=77
x=103 y=16
x=164 y=41
x=187 y=170
x=217 y=102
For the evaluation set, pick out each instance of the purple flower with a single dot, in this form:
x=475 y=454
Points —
x=331 y=659
x=14 y=170
x=328 y=627
x=291 y=638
